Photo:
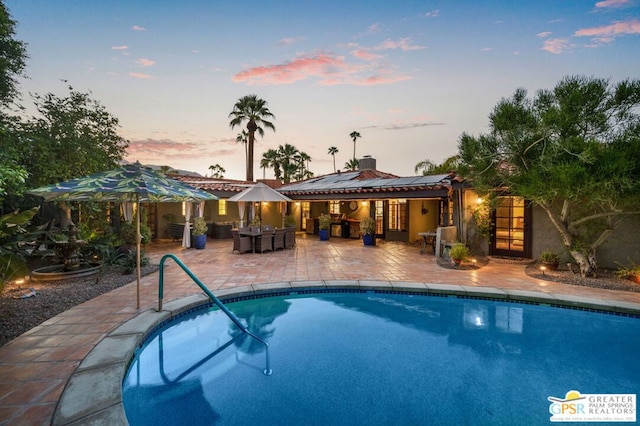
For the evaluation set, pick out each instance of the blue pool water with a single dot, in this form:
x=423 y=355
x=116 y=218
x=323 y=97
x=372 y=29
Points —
x=378 y=358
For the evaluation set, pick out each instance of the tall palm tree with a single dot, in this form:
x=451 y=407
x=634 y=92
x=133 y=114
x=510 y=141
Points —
x=333 y=151
x=354 y=135
x=286 y=156
x=351 y=164
x=243 y=137
x=255 y=112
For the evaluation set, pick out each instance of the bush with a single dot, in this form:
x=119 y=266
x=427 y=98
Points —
x=199 y=226
x=459 y=253
x=324 y=222
x=368 y=226
x=549 y=256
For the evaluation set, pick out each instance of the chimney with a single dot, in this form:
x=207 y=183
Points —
x=367 y=162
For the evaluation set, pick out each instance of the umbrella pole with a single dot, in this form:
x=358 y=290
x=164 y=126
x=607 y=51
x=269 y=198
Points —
x=138 y=241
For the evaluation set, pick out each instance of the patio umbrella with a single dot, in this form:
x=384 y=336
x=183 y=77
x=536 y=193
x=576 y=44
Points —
x=258 y=192
x=128 y=183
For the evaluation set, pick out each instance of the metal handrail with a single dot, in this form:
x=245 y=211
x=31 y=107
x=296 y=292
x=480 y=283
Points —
x=213 y=298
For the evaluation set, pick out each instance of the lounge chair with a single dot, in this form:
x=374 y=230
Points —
x=241 y=244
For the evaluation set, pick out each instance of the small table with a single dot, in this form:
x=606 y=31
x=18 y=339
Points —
x=428 y=238
x=253 y=233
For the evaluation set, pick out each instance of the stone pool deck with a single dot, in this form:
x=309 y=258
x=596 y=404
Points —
x=68 y=370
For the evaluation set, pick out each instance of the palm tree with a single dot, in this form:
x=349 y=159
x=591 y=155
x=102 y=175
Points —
x=354 y=135
x=255 y=112
x=286 y=156
x=242 y=137
x=270 y=159
x=333 y=151
x=217 y=171
x=351 y=164
x=430 y=168
x=302 y=160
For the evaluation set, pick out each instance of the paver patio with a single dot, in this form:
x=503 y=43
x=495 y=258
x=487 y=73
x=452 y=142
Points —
x=35 y=367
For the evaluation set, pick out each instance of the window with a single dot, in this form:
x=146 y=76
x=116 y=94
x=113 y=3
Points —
x=397 y=215
x=379 y=215
x=334 y=207
x=222 y=207
x=446 y=213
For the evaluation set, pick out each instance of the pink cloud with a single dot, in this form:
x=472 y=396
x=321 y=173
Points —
x=138 y=28
x=376 y=80
x=612 y=3
x=289 y=40
x=158 y=150
x=143 y=62
x=544 y=34
x=365 y=54
x=123 y=47
x=555 y=45
x=618 y=28
x=290 y=72
x=140 y=75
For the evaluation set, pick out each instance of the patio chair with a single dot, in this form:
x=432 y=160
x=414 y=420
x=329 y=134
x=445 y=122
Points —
x=290 y=237
x=241 y=244
x=267 y=228
x=278 y=239
x=264 y=242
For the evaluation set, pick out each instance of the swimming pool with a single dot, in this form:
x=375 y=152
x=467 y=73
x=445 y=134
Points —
x=353 y=357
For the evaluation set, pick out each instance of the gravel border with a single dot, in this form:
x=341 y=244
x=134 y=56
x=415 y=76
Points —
x=19 y=315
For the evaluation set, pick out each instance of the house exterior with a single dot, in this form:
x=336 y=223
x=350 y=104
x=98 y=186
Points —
x=402 y=208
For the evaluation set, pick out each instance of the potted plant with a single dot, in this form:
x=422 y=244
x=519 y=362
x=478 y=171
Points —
x=550 y=259
x=324 y=224
x=199 y=232
x=459 y=253
x=368 y=230
x=631 y=272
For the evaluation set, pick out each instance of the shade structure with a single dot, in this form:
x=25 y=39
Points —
x=258 y=192
x=128 y=183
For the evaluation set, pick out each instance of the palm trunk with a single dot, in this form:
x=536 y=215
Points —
x=251 y=127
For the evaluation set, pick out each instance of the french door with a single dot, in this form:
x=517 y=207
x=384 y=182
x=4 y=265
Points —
x=511 y=228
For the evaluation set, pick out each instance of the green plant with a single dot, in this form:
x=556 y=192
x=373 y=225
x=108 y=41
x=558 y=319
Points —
x=459 y=253
x=128 y=233
x=324 y=222
x=199 y=226
x=628 y=271
x=368 y=226
x=549 y=256
x=289 y=220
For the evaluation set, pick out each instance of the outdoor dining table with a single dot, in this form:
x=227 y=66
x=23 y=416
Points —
x=428 y=238
x=253 y=233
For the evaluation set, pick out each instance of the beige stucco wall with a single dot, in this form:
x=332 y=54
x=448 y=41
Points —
x=419 y=222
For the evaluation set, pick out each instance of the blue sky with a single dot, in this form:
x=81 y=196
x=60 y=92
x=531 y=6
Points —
x=410 y=76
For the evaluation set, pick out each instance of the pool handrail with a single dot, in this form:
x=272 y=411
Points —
x=211 y=296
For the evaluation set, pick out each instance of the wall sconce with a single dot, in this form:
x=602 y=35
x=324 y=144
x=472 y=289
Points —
x=479 y=200
x=298 y=203
x=364 y=203
x=264 y=203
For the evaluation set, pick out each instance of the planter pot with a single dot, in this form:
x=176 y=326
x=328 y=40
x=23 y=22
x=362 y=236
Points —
x=551 y=266
x=324 y=234
x=634 y=278
x=368 y=239
x=199 y=241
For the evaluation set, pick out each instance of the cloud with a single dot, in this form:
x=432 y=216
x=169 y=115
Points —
x=486 y=49
x=289 y=40
x=143 y=62
x=374 y=28
x=138 y=28
x=140 y=75
x=544 y=34
x=365 y=54
x=123 y=47
x=159 y=150
x=405 y=126
x=329 y=69
x=432 y=14
x=616 y=29
x=612 y=3
x=403 y=44
x=556 y=45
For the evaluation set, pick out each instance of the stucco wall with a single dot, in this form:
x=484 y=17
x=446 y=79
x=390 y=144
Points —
x=623 y=244
x=419 y=222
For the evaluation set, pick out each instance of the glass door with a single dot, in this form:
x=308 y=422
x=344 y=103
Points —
x=510 y=226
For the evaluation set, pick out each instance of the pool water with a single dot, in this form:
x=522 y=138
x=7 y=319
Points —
x=378 y=358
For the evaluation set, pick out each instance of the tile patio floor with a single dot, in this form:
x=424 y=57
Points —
x=35 y=367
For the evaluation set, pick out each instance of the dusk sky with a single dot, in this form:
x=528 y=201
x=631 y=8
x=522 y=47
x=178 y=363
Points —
x=410 y=76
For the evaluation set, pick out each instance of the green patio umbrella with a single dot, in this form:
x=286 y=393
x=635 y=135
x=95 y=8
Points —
x=132 y=183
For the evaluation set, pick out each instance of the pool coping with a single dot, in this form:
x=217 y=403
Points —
x=93 y=394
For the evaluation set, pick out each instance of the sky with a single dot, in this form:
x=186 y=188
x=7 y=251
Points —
x=410 y=76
